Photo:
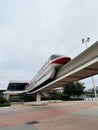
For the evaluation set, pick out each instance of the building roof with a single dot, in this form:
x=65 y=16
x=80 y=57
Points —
x=16 y=85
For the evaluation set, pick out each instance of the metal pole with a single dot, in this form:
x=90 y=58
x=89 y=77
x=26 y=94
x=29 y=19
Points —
x=94 y=88
x=86 y=44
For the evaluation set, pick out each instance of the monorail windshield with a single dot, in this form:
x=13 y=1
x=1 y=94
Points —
x=55 y=56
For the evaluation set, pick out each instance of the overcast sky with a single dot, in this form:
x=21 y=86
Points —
x=32 y=30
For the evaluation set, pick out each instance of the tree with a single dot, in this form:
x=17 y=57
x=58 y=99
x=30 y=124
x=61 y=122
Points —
x=73 y=89
x=51 y=95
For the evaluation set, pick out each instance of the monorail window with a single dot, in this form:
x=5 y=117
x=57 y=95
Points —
x=55 y=56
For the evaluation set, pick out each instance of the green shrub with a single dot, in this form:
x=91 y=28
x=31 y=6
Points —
x=73 y=99
x=3 y=102
x=27 y=98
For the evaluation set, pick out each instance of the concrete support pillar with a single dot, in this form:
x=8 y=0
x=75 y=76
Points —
x=38 y=97
x=6 y=96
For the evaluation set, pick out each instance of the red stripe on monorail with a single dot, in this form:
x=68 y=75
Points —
x=61 y=60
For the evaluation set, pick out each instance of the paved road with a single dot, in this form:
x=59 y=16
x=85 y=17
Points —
x=59 y=116
x=20 y=127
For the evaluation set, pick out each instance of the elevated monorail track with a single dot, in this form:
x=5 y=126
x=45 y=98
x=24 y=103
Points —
x=82 y=66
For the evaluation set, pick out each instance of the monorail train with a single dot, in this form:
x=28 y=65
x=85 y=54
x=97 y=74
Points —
x=47 y=72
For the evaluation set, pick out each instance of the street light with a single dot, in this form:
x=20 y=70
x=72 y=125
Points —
x=86 y=41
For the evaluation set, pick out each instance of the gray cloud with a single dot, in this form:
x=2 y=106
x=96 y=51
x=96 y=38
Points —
x=30 y=31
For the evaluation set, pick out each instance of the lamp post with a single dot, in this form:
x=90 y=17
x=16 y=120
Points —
x=87 y=41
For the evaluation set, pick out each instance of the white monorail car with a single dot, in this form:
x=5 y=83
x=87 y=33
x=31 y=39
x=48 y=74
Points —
x=47 y=72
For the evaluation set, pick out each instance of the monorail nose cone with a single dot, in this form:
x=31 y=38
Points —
x=62 y=60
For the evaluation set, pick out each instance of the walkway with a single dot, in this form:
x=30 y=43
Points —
x=59 y=116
